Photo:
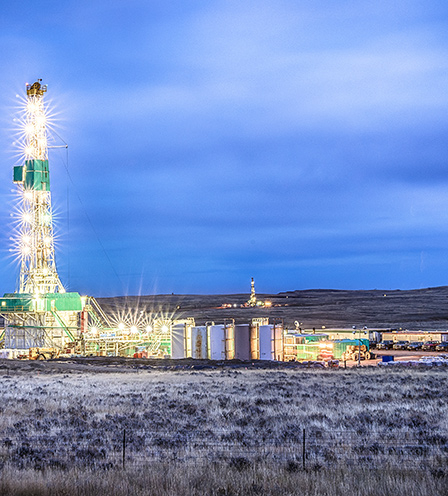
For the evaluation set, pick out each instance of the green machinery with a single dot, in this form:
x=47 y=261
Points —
x=51 y=320
x=319 y=347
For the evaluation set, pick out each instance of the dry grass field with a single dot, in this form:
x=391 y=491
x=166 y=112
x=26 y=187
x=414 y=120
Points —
x=221 y=431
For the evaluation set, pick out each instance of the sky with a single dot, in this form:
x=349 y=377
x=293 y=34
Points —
x=302 y=143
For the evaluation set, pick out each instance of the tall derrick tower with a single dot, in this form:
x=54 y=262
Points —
x=40 y=313
x=253 y=299
x=38 y=274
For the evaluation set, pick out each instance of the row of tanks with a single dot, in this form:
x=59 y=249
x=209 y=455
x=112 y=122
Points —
x=228 y=341
x=260 y=340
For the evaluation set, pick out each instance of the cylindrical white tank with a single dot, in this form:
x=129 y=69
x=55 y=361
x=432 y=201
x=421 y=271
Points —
x=188 y=342
x=199 y=342
x=216 y=342
x=242 y=341
x=271 y=342
x=181 y=341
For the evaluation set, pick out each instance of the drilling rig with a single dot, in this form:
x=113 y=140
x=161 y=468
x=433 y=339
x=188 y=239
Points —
x=41 y=318
x=40 y=313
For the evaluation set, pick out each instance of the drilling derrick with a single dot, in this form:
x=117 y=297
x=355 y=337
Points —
x=38 y=273
x=40 y=313
x=253 y=299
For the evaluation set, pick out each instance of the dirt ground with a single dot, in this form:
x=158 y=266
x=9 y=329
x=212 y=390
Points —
x=122 y=364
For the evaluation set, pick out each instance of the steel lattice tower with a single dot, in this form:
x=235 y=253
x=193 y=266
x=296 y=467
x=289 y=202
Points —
x=38 y=274
x=40 y=314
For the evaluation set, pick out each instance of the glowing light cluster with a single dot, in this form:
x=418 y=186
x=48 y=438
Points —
x=135 y=323
x=35 y=129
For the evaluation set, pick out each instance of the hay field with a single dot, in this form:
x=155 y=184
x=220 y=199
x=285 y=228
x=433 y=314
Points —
x=221 y=431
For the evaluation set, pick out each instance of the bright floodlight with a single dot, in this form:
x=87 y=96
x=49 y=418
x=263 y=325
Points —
x=121 y=326
x=26 y=217
x=134 y=330
x=164 y=328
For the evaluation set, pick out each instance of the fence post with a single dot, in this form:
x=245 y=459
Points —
x=303 y=450
x=124 y=448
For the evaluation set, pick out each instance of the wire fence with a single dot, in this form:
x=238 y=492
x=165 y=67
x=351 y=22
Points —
x=307 y=450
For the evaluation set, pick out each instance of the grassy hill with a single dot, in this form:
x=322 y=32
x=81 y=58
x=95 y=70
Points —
x=425 y=309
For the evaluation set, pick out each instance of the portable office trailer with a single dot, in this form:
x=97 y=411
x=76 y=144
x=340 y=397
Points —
x=419 y=336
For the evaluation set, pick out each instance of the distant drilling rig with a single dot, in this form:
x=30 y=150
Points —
x=40 y=313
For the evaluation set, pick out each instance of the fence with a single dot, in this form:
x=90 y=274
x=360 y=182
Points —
x=305 y=449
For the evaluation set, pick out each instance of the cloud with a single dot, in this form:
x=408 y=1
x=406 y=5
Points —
x=210 y=136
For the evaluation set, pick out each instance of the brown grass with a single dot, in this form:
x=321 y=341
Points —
x=226 y=431
x=222 y=480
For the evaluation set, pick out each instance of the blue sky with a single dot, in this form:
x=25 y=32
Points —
x=303 y=143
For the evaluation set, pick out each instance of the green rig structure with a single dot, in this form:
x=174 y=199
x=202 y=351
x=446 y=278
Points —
x=40 y=313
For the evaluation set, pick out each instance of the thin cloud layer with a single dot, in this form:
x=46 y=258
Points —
x=303 y=143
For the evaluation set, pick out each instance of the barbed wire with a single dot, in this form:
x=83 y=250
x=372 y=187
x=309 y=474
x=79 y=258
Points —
x=329 y=448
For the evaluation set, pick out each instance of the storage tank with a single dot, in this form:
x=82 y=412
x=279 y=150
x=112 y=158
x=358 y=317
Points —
x=266 y=337
x=255 y=341
x=181 y=341
x=279 y=350
x=199 y=342
x=242 y=342
x=230 y=341
x=178 y=341
x=271 y=342
x=217 y=342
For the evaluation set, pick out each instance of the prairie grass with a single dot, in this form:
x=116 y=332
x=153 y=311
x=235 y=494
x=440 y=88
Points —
x=226 y=431
x=221 y=480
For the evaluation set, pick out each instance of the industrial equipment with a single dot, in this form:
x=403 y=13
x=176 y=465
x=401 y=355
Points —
x=40 y=314
x=43 y=353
